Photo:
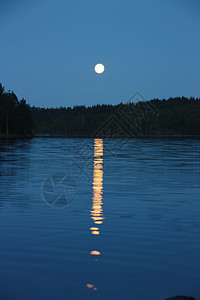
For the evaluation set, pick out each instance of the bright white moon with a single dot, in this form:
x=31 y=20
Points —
x=99 y=68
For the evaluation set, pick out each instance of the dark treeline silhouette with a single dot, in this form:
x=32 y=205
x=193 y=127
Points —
x=175 y=116
x=15 y=115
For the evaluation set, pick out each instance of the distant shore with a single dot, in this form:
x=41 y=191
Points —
x=16 y=136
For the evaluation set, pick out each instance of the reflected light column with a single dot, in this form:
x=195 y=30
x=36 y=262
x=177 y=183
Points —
x=97 y=209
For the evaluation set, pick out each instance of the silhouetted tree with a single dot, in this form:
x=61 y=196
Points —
x=15 y=116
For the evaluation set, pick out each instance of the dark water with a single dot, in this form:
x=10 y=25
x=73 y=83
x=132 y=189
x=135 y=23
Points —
x=93 y=219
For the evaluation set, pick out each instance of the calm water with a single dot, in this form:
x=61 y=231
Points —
x=99 y=219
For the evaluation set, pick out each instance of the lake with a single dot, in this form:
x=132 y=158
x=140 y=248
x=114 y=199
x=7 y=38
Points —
x=99 y=219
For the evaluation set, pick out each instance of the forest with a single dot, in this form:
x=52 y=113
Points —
x=15 y=115
x=174 y=116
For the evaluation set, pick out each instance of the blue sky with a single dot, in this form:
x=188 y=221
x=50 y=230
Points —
x=49 y=49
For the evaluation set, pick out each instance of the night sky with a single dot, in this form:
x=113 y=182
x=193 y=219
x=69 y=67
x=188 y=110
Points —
x=49 y=49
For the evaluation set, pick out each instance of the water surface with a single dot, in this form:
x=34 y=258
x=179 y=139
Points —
x=124 y=223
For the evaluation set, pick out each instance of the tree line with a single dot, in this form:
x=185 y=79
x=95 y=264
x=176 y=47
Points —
x=15 y=115
x=174 y=116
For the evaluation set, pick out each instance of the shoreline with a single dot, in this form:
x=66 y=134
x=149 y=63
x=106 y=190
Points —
x=15 y=136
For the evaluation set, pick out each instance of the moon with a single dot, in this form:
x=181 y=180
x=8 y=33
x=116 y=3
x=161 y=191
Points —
x=99 y=68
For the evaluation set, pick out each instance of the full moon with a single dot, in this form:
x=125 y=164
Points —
x=99 y=68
